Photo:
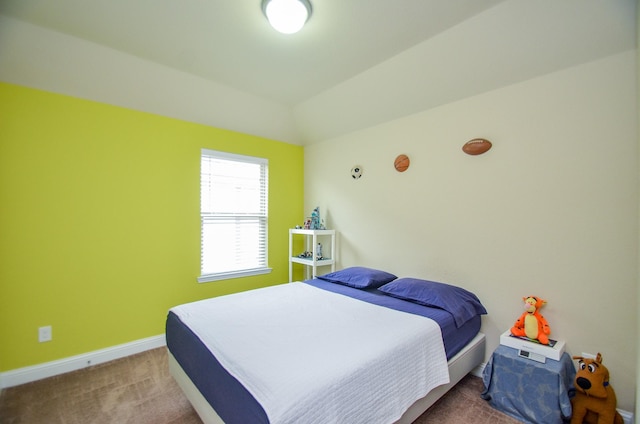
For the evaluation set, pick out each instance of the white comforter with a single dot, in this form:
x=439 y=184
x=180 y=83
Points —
x=312 y=356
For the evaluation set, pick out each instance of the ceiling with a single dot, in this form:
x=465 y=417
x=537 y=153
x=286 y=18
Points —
x=231 y=42
x=350 y=52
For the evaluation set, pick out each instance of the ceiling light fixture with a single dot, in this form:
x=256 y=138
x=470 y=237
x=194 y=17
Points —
x=287 y=16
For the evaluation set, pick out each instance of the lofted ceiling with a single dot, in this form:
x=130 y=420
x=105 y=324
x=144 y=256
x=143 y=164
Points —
x=357 y=62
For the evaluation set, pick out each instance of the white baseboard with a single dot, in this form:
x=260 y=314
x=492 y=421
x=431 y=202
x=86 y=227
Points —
x=626 y=416
x=477 y=371
x=61 y=366
x=72 y=363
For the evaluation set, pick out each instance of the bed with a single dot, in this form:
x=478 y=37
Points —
x=356 y=345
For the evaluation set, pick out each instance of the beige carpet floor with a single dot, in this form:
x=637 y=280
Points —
x=138 y=389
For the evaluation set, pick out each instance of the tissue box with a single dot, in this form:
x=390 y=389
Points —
x=553 y=350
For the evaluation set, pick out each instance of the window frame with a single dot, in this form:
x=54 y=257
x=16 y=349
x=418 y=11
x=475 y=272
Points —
x=216 y=276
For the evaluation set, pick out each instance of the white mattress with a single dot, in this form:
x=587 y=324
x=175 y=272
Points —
x=339 y=360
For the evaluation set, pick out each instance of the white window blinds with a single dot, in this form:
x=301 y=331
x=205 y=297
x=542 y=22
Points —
x=233 y=210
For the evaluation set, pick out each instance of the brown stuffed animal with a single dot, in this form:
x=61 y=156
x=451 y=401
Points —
x=595 y=401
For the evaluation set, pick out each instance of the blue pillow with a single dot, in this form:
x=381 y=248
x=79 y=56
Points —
x=359 y=277
x=460 y=303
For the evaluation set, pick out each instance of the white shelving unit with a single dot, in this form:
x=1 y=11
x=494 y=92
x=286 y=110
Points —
x=312 y=237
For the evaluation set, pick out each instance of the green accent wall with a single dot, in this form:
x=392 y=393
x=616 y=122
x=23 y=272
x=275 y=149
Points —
x=99 y=221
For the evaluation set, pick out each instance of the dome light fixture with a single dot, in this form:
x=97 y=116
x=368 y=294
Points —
x=287 y=16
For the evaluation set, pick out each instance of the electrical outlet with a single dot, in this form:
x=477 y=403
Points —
x=588 y=355
x=44 y=334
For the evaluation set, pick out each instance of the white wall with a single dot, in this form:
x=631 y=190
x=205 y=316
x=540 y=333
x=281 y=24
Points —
x=551 y=210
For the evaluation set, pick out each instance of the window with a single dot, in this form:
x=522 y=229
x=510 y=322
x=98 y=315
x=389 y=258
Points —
x=233 y=211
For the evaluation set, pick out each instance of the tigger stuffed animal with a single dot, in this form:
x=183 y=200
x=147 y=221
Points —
x=595 y=401
x=531 y=323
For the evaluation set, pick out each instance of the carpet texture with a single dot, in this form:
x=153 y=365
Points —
x=139 y=389
x=463 y=405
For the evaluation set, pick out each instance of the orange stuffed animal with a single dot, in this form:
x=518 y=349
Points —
x=595 y=401
x=531 y=324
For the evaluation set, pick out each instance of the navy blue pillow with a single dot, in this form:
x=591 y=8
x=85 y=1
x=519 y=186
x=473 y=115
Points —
x=462 y=304
x=359 y=277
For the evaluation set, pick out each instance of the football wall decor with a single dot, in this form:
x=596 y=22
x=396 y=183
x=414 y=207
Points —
x=477 y=146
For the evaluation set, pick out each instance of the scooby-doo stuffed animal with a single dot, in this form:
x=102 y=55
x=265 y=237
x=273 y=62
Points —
x=595 y=401
x=531 y=323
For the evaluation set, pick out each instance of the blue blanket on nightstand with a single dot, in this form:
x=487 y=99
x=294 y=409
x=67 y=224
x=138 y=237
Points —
x=527 y=390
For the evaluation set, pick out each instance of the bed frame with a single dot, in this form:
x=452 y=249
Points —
x=460 y=365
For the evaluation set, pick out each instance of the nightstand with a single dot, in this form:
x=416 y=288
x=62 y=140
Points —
x=527 y=390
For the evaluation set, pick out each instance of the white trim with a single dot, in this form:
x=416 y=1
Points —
x=626 y=416
x=477 y=371
x=49 y=369
x=234 y=156
x=233 y=274
x=72 y=363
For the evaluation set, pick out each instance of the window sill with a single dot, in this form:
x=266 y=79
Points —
x=235 y=274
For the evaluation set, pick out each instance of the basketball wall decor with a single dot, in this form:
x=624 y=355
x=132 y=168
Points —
x=402 y=163
x=477 y=146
